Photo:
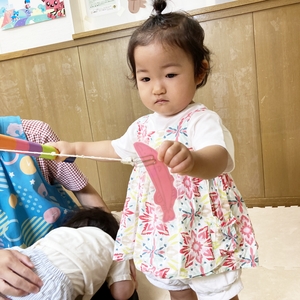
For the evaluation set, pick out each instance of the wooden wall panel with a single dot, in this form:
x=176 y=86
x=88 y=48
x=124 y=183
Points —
x=81 y=89
x=231 y=91
x=277 y=40
x=113 y=105
x=49 y=87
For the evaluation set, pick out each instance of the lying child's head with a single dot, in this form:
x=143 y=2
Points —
x=92 y=216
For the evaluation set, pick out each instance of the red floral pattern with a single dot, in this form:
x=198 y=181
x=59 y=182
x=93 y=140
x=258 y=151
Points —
x=211 y=233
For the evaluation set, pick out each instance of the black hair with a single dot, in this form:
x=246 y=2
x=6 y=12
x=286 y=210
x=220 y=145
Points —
x=172 y=29
x=92 y=216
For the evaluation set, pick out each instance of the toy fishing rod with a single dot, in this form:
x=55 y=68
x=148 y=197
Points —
x=16 y=145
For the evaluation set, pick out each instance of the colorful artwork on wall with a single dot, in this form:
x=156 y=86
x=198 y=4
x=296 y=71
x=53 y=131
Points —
x=17 y=13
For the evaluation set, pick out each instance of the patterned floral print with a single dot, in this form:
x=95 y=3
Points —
x=211 y=233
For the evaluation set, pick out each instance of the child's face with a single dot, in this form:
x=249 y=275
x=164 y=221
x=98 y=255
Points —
x=165 y=78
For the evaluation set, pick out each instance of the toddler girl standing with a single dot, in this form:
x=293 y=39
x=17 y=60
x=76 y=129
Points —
x=203 y=239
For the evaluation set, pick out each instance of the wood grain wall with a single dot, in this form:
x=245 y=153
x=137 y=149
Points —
x=81 y=89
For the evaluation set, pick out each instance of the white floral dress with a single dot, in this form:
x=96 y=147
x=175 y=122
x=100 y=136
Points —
x=209 y=231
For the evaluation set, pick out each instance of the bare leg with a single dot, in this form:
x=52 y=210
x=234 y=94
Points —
x=188 y=294
x=235 y=298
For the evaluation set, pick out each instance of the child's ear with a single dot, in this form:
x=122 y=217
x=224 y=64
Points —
x=205 y=68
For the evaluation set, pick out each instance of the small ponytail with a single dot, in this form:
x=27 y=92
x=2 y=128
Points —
x=159 y=6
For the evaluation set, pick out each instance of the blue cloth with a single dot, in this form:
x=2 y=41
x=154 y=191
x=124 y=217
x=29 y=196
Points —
x=29 y=206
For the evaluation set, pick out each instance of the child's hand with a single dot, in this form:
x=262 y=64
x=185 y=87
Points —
x=176 y=156
x=63 y=148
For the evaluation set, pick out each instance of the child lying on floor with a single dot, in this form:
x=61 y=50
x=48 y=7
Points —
x=76 y=259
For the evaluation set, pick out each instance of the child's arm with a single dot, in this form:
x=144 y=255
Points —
x=100 y=148
x=206 y=163
x=123 y=290
x=88 y=196
x=122 y=280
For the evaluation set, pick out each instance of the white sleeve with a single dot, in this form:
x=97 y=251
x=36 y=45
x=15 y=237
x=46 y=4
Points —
x=119 y=271
x=123 y=146
x=208 y=130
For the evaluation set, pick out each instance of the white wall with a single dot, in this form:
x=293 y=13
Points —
x=78 y=20
x=40 y=34
x=84 y=22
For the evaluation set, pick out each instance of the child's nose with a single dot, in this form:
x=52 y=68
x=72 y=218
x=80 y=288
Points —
x=158 y=88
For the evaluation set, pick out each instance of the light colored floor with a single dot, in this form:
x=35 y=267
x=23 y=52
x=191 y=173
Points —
x=278 y=277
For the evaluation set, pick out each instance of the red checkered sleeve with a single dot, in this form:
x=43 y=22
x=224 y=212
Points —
x=67 y=174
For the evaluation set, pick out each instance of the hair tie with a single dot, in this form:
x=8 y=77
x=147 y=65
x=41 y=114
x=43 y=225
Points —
x=159 y=6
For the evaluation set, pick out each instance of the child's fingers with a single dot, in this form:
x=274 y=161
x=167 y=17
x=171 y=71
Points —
x=173 y=153
x=163 y=149
x=59 y=148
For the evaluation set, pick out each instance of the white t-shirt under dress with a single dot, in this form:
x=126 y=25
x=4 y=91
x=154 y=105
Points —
x=211 y=231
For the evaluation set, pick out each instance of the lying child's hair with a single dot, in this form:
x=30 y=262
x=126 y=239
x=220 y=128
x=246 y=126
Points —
x=92 y=216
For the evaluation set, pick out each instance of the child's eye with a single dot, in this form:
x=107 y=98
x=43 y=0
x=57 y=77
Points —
x=145 y=79
x=170 y=75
